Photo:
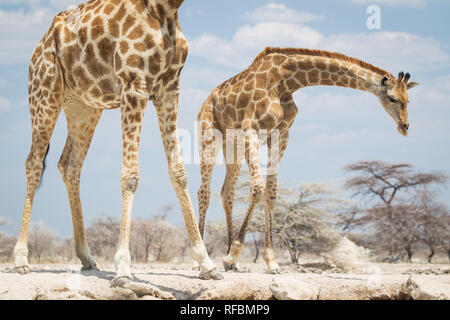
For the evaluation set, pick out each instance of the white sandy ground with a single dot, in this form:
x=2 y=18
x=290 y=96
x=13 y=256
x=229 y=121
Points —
x=179 y=281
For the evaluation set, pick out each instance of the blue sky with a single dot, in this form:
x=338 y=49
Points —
x=335 y=126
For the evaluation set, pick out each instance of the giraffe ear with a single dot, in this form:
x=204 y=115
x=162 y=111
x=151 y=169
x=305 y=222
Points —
x=384 y=81
x=412 y=85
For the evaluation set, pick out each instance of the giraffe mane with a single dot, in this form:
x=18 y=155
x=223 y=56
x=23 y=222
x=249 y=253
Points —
x=322 y=53
x=309 y=52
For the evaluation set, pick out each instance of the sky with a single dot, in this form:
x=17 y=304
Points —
x=335 y=126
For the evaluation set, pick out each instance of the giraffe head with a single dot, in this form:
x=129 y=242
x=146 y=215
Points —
x=394 y=98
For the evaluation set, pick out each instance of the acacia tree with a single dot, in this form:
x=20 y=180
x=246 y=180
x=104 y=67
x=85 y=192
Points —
x=434 y=222
x=302 y=217
x=6 y=242
x=102 y=236
x=142 y=236
x=386 y=183
x=349 y=218
x=41 y=240
x=304 y=225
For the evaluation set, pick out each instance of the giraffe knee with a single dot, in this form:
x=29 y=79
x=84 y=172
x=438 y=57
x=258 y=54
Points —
x=63 y=165
x=130 y=182
x=178 y=175
x=257 y=191
x=203 y=192
x=69 y=169
x=270 y=199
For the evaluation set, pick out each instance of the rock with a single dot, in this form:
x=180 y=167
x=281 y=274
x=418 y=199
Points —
x=416 y=292
x=284 y=288
x=123 y=294
x=89 y=294
x=235 y=290
x=40 y=295
x=60 y=288
x=148 y=298
x=76 y=296
x=141 y=290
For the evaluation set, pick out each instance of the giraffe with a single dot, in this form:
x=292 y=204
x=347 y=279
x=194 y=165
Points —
x=108 y=54
x=260 y=98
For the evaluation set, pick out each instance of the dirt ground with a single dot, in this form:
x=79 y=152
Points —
x=179 y=281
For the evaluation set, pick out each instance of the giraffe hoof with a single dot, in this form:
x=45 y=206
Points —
x=229 y=266
x=195 y=266
x=211 y=275
x=275 y=271
x=21 y=270
x=91 y=266
x=121 y=281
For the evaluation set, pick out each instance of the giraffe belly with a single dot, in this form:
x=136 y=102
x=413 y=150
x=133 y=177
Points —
x=92 y=102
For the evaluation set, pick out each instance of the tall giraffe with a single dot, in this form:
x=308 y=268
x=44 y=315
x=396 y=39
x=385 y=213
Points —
x=260 y=98
x=108 y=54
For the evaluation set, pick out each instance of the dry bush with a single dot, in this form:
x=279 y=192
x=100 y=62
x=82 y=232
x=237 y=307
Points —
x=7 y=244
x=41 y=242
x=102 y=236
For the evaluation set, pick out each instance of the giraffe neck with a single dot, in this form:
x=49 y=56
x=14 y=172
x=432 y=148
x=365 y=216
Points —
x=170 y=6
x=301 y=71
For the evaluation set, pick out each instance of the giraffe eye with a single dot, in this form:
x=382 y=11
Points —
x=392 y=99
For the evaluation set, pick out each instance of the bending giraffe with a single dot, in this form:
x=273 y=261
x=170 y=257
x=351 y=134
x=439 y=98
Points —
x=108 y=54
x=260 y=98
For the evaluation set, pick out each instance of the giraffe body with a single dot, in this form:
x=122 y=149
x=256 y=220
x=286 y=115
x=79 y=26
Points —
x=108 y=54
x=260 y=98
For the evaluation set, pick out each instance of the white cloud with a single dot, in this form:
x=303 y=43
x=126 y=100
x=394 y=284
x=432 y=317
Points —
x=201 y=77
x=394 y=51
x=280 y=13
x=28 y=29
x=248 y=41
x=396 y=3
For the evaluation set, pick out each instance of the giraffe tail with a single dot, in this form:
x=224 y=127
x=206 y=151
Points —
x=44 y=165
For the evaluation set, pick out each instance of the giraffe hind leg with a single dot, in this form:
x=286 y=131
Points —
x=45 y=99
x=233 y=169
x=44 y=165
x=227 y=195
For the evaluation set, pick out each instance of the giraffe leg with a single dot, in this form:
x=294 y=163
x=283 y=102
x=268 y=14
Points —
x=208 y=155
x=132 y=113
x=269 y=201
x=34 y=168
x=81 y=123
x=45 y=100
x=256 y=194
x=233 y=168
x=167 y=111
x=277 y=144
x=227 y=195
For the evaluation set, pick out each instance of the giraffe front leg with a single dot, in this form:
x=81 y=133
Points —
x=256 y=194
x=81 y=123
x=167 y=111
x=132 y=112
x=277 y=144
x=269 y=201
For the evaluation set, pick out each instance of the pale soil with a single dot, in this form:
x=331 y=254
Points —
x=179 y=281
